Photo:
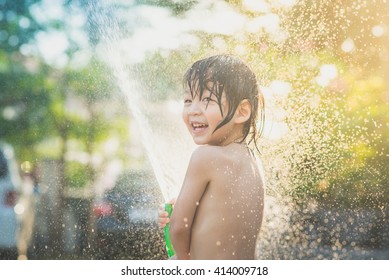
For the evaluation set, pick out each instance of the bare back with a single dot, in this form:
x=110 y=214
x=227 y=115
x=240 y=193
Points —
x=229 y=214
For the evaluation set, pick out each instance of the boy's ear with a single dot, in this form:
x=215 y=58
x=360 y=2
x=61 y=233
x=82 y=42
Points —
x=243 y=112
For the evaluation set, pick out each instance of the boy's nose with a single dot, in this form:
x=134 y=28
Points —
x=194 y=109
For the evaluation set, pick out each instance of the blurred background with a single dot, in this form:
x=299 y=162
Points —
x=76 y=180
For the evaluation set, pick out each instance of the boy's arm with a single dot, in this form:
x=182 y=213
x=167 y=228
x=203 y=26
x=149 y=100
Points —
x=196 y=180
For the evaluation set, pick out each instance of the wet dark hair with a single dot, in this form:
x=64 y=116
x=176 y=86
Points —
x=233 y=76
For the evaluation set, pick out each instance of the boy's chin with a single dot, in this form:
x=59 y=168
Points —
x=199 y=141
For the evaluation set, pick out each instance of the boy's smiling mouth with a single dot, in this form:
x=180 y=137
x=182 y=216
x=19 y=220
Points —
x=198 y=126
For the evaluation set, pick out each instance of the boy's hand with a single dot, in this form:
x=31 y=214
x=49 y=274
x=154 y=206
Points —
x=163 y=218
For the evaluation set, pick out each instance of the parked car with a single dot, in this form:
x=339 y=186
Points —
x=126 y=219
x=10 y=184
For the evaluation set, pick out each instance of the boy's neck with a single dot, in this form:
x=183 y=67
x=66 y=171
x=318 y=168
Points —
x=236 y=140
x=234 y=137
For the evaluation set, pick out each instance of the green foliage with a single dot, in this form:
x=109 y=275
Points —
x=339 y=150
x=25 y=118
x=17 y=25
x=78 y=175
x=49 y=112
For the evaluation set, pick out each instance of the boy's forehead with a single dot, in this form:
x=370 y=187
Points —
x=187 y=91
x=195 y=88
x=195 y=84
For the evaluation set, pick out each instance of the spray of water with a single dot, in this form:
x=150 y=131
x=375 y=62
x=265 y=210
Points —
x=159 y=124
x=159 y=135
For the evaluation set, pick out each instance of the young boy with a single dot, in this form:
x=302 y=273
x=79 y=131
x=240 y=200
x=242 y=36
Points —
x=218 y=213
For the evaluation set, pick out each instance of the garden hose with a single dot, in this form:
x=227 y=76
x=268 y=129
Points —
x=169 y=247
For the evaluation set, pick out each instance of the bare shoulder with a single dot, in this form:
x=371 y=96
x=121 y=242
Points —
x=208 y=154
x=203 y=162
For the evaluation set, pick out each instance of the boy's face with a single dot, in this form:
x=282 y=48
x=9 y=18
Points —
x=202 y=116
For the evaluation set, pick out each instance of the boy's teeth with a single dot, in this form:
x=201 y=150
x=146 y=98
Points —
x=196 y=125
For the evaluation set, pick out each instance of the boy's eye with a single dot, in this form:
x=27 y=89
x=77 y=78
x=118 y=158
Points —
x=187 y=101
x=207 y=99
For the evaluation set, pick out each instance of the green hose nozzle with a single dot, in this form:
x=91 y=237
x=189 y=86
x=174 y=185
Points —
x=169 y=247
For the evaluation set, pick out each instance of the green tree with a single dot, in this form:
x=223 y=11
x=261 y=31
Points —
x=20 y=85
x=41 y=104
x=17 y=26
